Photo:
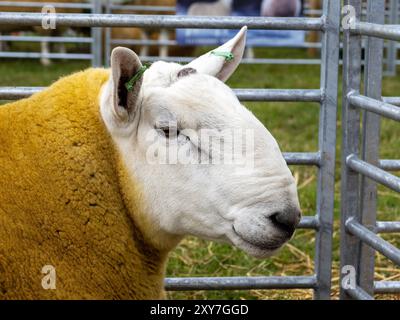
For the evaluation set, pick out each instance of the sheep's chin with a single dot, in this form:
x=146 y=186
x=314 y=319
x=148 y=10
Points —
x=250 y=248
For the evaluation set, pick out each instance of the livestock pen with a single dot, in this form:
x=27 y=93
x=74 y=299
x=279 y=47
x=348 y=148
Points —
x=325 y=93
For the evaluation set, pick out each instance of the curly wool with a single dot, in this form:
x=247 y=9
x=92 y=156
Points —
x=62 y=201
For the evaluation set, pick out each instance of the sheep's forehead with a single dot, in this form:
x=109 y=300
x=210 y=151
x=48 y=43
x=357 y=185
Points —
x=197 y=96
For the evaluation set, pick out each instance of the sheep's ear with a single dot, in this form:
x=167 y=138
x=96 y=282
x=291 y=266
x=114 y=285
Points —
x=125 y=64
x=217 y=63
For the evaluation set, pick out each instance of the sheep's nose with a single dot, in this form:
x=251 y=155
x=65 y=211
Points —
x=286 y=220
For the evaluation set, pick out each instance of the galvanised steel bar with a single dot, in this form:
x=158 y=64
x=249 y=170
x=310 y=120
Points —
x=388 y=32
x=294 y=95
x=148 y=42
x=107 y=36
x=97 y=39
x=370 y=141
x=327 y=146
x=387 y=227
x=391 y=66
x=374 y=241
x=389 y=165
x=387 y=286
x=143 y=8
x=373 y=172
x=350 y=204
x=15 y=93
x=372 y=105
x=359 y=294
x=244 y=60
x=303 y=159
x=392 y=100
x=47 y=39
x=65 y=5
x=11 y=93
x=144 y=42
x=309 y=222
x=34 y=55
x=240 y=283
x=165 y=21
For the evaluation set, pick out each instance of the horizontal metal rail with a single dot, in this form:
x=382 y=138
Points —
x=309 y=222
x=388 y=32
x=392 y=100
x=144 y=42
x=15 y=93
x=359 y=294
x=47 y=39
x=240 y=283
x=378 y=107
x=373 y=172
x=142 y=8
x=389 y=165
x=35 y=55
x=244 y=61
x=284 y=95
x=273 y=95
x=387 y=286
x=66 y=5
x=149 y=42
x=166 y=21
x=373 y=240
x=305 y=159
x=387 y=227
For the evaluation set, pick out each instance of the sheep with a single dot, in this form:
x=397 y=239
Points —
x=80 y=195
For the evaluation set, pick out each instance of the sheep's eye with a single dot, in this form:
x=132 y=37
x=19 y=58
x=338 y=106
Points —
x=169 y=132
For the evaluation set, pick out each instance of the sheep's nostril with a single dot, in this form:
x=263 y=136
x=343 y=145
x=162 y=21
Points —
x=285 y=221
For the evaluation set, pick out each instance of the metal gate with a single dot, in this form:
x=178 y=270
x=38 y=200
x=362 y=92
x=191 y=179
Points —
x=324 y=158
x=95 y=39
x=361 y=167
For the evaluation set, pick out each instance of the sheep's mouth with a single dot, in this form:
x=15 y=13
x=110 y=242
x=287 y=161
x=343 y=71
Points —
x=264 y=247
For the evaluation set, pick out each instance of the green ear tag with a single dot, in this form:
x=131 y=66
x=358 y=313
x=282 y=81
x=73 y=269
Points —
x=129 y=85
x=227 y=55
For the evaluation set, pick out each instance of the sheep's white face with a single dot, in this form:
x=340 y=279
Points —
x=250 y=203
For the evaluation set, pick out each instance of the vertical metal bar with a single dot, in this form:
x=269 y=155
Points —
x=350 y=245
x=96 y=46
x=370 y=141
x=391 y=66
x=107 y=44
x=327 y=146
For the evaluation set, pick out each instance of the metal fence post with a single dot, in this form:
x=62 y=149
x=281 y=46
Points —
x=391 y=65
x=96 y=33
x=352 y=50
x=370 y=142
x=107 y=39
x=327 y=146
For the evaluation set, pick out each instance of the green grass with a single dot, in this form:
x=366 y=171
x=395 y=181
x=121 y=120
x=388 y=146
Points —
x=295 y=126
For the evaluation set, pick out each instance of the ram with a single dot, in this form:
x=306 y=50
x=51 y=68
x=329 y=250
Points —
x=81 y=192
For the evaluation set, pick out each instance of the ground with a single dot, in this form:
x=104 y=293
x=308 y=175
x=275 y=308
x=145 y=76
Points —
x=295 y=126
